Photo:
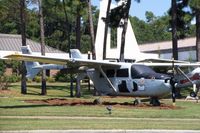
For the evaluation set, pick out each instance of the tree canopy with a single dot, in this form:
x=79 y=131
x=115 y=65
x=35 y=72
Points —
x=60 y=20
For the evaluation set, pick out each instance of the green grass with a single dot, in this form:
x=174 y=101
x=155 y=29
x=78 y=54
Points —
x=186 y=116
x=35 y=124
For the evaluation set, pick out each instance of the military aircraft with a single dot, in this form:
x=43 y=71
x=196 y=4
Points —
x=33 y=68
x=183 y=80
x=133 y=53
x=123 y=78
x=117 y=78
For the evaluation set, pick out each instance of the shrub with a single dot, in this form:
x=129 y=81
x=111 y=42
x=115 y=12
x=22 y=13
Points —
x=4 y=83
x=13 y=78
x=37 y=79
x=64 y=77
x=50 y=79
x=29 y=80
x=2 y=67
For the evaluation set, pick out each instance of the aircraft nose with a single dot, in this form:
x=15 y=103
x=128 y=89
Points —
x=167 y=84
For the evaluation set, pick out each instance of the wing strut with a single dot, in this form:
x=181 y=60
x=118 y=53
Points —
x=194 y=85
x=107 y=79
x=178 y=68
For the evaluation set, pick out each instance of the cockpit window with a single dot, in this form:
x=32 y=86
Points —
x=142 y=71
x=110 y=73
x=122 y=72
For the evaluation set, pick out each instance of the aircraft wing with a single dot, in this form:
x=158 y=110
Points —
x=71 y=62
x=160 y=61
x=186 y=64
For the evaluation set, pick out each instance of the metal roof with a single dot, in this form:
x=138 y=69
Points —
x=183 y=43
x=13 y=42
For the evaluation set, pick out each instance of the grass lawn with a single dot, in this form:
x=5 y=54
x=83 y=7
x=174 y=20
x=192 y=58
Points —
x=35 y=116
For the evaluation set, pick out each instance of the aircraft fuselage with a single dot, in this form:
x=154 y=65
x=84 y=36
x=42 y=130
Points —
x=131 y=80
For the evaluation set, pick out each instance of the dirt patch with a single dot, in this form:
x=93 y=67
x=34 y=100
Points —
x=78 y=102
x=7 y=92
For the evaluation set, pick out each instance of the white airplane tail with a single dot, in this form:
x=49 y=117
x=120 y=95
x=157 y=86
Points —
x=31 y=69
x=75 y=53
x=131 y=50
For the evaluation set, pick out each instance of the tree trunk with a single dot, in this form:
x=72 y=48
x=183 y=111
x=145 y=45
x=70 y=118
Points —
x=43 y=89
x=68 y=29
x=78 y=29
x=106 y=29
x=198 y=34
x=91 y=30
x=71 y=86
x=124 y=31
x=174 y=38
x=23 y=34
x=174 y=30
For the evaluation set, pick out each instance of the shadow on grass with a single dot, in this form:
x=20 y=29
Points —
x=25 y=106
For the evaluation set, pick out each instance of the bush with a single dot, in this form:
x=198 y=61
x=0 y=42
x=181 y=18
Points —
x=29 y=80
x=50 y=80
x=63 y=77
x=4 y=84
x=2 y=67
x=13 y=78
x=37 y=79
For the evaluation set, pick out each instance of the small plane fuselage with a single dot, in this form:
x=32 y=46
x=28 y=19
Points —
x=131 y=80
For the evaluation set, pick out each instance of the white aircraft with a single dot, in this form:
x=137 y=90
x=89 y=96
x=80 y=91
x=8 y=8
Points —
x=33 y=68
x=123 y=78
x=118 y=78
x=183 y=80
x=132 y=51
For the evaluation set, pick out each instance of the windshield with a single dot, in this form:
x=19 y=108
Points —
x=142 y=71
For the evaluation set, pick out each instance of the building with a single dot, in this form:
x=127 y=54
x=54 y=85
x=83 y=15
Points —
x=186 y=49
x=10 y=43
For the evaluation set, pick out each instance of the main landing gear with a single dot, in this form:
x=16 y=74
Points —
x=136 y=101
x=154 y=101
x=97 y=101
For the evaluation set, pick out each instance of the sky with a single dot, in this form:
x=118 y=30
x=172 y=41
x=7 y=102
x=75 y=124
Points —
x=158 y=7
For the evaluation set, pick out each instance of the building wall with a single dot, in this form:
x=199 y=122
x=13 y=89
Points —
x=184 y=55
x=186 y=49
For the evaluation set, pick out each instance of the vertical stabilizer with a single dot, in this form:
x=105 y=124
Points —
x=131 y=50
x=75 y=53
x=30 y=66
x=100 y=30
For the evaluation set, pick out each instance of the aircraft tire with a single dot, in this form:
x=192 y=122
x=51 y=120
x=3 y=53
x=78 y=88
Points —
x=136 y=102
x=97 y=101
x=193 y=94
x=154 y=101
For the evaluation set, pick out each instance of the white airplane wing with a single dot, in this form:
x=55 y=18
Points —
x=160 y=61
x=186 y=64
x=73 y=62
